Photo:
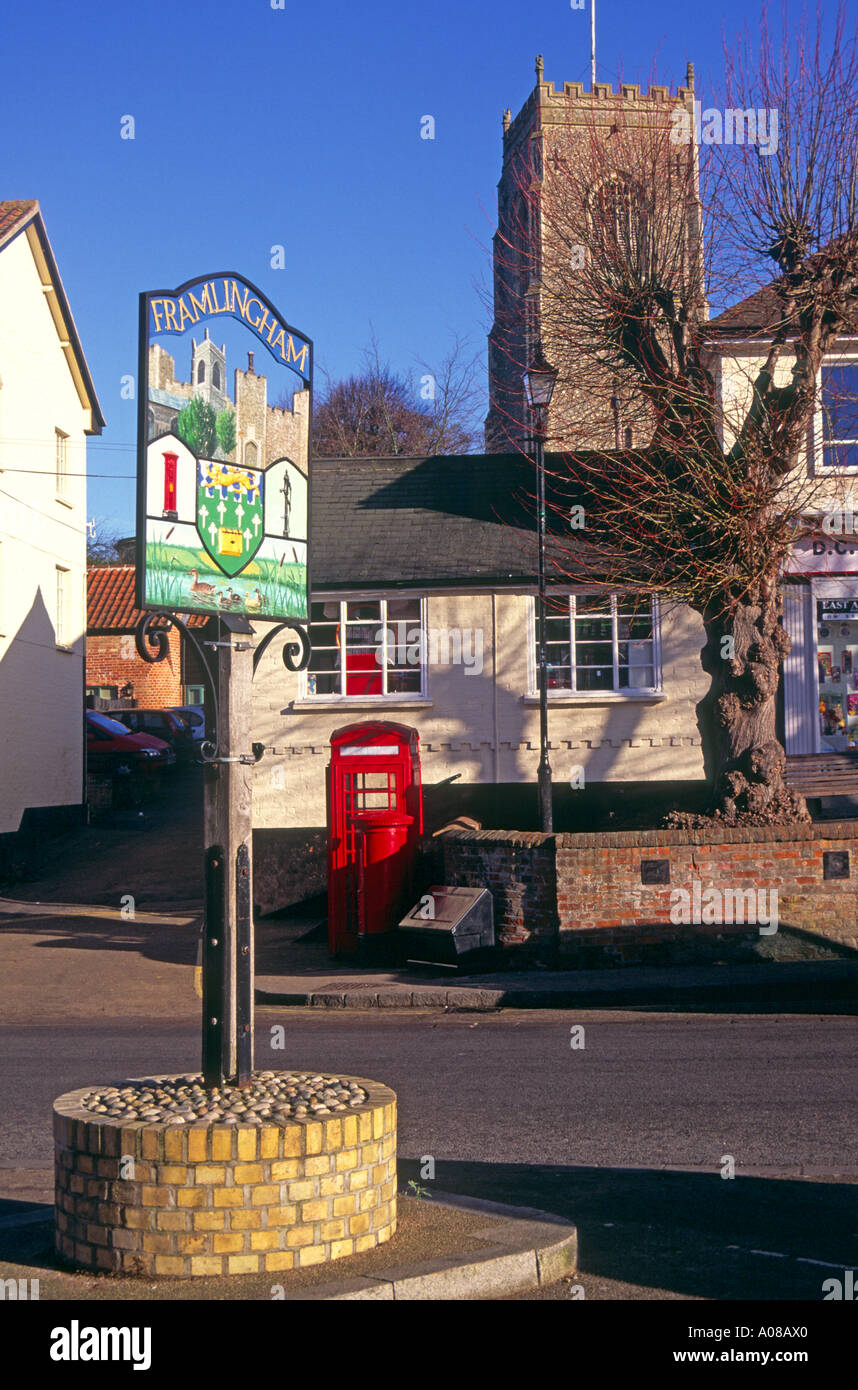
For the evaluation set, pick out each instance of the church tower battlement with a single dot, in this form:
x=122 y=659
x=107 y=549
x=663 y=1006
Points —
x=560 y=127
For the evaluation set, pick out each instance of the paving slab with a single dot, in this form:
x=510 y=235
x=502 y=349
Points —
x=310 y=978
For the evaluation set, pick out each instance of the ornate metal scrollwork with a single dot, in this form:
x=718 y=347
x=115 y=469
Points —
x=296 y=655
x=153 y=645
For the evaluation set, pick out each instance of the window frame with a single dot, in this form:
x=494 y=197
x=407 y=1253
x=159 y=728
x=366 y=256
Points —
x=386 y=697
x=61 y=463
x=616 y=692
x=63 y=595
x=819 y=467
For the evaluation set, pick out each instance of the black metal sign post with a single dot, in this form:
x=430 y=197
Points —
x=230 y=654
x=227 y=821
x=214 y=933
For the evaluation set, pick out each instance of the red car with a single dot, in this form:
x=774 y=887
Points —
x=111 y=747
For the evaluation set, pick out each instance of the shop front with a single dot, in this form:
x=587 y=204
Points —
x=821 y=671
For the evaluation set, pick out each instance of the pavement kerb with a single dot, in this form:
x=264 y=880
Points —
x=402 y=997
x=483 y=1000
x=528 y=1249
x=525 y=1249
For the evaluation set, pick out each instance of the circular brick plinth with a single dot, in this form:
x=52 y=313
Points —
x=188 y=1200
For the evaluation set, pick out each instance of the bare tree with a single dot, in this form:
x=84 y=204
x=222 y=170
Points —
x=379 y=412
x=627 y=250
x=102 y=544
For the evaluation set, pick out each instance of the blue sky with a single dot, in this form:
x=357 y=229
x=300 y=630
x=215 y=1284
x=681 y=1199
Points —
x=300 y=127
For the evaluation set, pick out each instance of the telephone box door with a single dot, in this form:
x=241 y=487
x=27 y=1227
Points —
x=374 y=767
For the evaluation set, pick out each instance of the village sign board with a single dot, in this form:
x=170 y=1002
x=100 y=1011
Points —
x=222 y=506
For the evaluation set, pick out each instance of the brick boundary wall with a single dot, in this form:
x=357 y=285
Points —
x=582 y=896
x=288 y=866
x=111 y=659
x=519 y=869
x=223 y=1199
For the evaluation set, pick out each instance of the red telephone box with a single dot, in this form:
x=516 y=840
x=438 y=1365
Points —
x=375 y=820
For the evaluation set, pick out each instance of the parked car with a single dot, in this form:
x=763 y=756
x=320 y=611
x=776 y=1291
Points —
x=113 y=747
x=195 y=718
x=165 y=725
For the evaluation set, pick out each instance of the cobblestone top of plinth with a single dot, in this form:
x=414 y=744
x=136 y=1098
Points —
x=224 y=1133
x=271 y=1096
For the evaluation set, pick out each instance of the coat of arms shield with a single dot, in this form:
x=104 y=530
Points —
x=230 y=513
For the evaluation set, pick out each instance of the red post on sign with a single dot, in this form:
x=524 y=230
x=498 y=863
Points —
x=170 y=464
x=375 y=820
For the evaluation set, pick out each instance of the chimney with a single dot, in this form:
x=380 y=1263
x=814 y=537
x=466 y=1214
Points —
x=250 y=363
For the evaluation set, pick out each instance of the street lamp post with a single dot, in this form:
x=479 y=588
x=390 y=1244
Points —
x=539 y=382
x=616 y=407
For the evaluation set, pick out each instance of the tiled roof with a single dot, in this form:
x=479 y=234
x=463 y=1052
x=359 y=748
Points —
x=761 y=311
x=110 y=600
x=13 y=212
x=439 y=521
x=450 y=522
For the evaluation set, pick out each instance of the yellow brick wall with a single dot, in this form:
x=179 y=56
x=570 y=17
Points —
x=151 y=1199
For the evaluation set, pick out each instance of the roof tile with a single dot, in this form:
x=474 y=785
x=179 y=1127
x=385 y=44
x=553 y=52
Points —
x=12 y=211
x=110 y=601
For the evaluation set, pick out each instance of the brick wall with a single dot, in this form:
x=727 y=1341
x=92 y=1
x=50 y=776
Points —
x=288 y=866
x=519 y=871
x=154 y=1199
x=111 y=659
x=583 y=897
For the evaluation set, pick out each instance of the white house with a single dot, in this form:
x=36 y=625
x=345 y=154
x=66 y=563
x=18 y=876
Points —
x=47 y=408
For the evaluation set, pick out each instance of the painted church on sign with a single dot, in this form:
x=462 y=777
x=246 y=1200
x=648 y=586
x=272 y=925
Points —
x=259 y=432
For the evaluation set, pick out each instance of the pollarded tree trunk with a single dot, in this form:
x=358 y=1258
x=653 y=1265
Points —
x=745 y=761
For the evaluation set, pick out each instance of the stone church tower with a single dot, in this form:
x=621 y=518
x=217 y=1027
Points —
x=208 y=372
x=560 y=129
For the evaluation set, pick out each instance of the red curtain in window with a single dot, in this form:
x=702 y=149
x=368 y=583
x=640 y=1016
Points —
x=363 y=674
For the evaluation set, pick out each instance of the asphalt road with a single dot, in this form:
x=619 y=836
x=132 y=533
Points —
x=508 y=1110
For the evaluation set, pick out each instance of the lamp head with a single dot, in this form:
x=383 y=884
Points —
x=539 y=380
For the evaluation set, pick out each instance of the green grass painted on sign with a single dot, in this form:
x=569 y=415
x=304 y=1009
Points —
x=265 y=588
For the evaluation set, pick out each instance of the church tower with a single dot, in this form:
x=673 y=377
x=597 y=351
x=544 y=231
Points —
x=566 y=153
x=208 y=372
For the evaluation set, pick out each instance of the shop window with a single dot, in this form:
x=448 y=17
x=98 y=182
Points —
x=367 y=648
x=839 y=393
x=837 y=658
x=598 y=642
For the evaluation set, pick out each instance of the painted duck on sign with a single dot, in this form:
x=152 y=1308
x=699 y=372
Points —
x=200 y=589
